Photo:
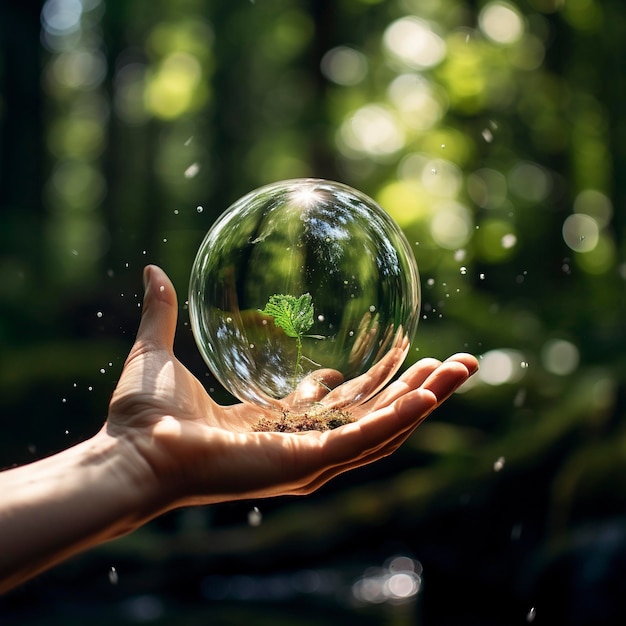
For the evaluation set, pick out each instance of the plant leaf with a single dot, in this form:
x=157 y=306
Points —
x=293 y=315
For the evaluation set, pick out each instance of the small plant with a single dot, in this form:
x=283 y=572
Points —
x=294 y=316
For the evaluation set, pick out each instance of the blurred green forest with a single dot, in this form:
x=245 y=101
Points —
x=493 y=132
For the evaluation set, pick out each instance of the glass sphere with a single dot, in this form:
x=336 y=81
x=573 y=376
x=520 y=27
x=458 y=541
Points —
x=303 y=294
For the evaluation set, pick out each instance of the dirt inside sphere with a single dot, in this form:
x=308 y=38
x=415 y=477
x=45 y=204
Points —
x=294 y=422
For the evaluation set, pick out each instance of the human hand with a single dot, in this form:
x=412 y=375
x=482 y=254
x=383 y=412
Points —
x=188 y=449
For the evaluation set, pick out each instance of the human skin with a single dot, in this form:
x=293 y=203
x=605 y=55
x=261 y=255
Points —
x=167 y=444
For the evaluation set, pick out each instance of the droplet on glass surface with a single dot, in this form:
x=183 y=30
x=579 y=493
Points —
x=199 y=209
x=532 y=613
x=270 y=263
x=113 y=576
x=99 y=314
x=463 y=270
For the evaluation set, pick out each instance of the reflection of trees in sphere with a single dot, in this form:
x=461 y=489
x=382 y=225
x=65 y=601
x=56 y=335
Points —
x=289 y=239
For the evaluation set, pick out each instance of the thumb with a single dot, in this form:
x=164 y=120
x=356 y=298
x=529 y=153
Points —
x=160 y=310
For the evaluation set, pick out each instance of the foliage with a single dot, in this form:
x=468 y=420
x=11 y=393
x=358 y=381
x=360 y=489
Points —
x=294 y=316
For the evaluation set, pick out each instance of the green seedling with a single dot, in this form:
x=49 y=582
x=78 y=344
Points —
x=295 y=317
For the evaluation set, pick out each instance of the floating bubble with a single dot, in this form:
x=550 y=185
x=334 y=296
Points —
x=320 y=280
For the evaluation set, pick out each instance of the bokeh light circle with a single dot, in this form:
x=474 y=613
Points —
x=334 y=251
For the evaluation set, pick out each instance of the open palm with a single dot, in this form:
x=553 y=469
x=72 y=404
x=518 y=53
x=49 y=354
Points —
x=201 y=452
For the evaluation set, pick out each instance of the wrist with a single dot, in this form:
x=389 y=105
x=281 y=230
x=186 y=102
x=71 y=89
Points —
x=140 y=495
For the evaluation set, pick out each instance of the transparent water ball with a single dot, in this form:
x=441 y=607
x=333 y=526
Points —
x=304 y=295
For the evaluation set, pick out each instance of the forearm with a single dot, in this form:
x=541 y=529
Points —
x=61 y=505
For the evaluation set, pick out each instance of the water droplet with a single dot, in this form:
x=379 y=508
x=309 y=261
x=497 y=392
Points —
x=481 y=276
x=524 y=365
x=433 y=170
x=99 y=314
x=162 y=288
x=530 y=616
x=320 y=318
x=164 y=240
x=89 y=388
x=430 y=282
x=113 y=576
x=459 y=255
x=64 y=400
x=255 y=517
x=443 y=146
x=192 y=170
x=516 y=532
x=189 y=140
x=463 y=270
x=499 y=464
x=199 y=209
x=372 y=308
x=508 y=241
x=67 y=432
x=229 y=320
x=487 y=135
x=175 y=211
x=102 y=370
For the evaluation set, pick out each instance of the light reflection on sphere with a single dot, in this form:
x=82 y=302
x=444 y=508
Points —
x=296 y=237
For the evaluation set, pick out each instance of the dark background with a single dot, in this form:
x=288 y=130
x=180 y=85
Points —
x=493 y=132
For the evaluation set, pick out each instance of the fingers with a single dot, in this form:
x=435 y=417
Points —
x=452 y=373
x=411 y=379
x=160 y=309
x=368 y=383
x=382 y=432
